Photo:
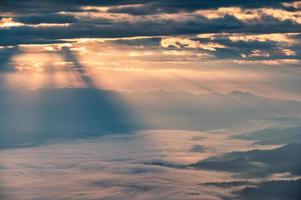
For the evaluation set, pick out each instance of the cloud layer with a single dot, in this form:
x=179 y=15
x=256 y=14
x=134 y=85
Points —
x=154 y=41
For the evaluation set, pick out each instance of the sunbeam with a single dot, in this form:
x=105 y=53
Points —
x=131 y=100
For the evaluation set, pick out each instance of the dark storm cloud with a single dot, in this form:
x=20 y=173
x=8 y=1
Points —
x=145 y=42
x=172 y=6
x=46 y=22
x=104 y=28
x=36 y=6
x=146 y=6
x=47 y=18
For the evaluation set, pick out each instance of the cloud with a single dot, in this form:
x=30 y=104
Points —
x=98 y=28
x=198 y=148
x=46 y=19
x=189 y=43
x=6 y=22
x=156 y=7
x=168 y=35
x=72 y=19
x=130 y=5
x=109 y=167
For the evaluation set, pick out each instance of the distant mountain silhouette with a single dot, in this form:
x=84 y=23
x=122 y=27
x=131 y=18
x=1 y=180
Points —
x=180 y=110
x=274 y=135
x=257 y=162
x=271 y=190
x=33 y=117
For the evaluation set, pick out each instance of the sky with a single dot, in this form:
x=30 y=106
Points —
x=128 y=45
x=150 y=99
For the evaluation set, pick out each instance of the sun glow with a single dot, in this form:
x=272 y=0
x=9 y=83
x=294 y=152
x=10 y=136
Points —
x=7 y=22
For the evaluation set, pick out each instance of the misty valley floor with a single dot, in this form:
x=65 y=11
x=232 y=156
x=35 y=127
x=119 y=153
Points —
x=154 y=164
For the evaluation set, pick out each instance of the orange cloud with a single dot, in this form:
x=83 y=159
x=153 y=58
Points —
x=7 y=22
x=181 y=42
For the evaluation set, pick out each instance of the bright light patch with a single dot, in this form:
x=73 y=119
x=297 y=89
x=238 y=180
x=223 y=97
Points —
x=7 y=22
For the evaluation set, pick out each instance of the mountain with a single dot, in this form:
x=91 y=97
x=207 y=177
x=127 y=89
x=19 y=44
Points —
x=257 y=162
x=270 y=190
x=33 y=117
x=30 y=117
x=180 y=110
x=274 y=135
